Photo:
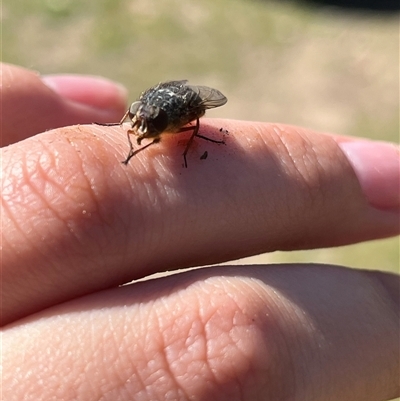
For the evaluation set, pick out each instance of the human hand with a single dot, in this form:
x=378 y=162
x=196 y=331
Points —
x=76 y=223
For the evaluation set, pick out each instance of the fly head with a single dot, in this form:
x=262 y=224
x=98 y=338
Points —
x=147 y=121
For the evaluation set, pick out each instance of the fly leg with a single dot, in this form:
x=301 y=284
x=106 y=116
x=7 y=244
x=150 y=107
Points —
x=135 y=152
x=114 y=124
x=210 y=140
x=196 y=133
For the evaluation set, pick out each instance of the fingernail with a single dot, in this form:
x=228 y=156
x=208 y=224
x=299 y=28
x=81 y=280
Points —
x=93 y=91
x=377 y=167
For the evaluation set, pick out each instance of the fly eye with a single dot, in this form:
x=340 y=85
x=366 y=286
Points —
x=160 y=122
x=133 y=109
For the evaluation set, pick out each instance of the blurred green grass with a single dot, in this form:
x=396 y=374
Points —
x=276 y=61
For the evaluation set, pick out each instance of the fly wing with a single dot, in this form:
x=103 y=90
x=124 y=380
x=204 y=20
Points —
x=168 y=84
x=210 y=97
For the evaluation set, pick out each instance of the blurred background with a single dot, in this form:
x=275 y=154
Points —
x=331 y=66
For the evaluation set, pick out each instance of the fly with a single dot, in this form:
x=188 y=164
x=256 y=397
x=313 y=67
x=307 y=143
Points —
x=169 y=107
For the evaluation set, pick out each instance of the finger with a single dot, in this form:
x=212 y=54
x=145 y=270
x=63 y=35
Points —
x=232 y=333
x=33 y=104
x=72 y=210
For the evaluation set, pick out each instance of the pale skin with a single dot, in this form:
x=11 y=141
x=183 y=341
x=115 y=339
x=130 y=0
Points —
x=76 y=223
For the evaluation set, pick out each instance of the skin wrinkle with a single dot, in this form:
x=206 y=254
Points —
x=308 y=181
x=109 y=355
x=150 y=179
x=37 y=169
x=135 y=379
x=292 y=342
x=95 y=195
x=118 y=217
x=292 y=346
x=146 y=193
x=279 y=141
x=156 y=180
x=42 y=194
x=282 y=145
x=274 y=298
x=85 y=163
x=230 y=187
x=302 y=148
x=300 y=179
x=311 y=184
x=320 y=163
x=189 y=347
x=34 y=173
x=89 y=188
x=26 y=182
x=167 y=347
x=156 y=347
x=8 y=213
x=42 y=175
x=106 y=140
x=119 y=380
x=208 y=322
